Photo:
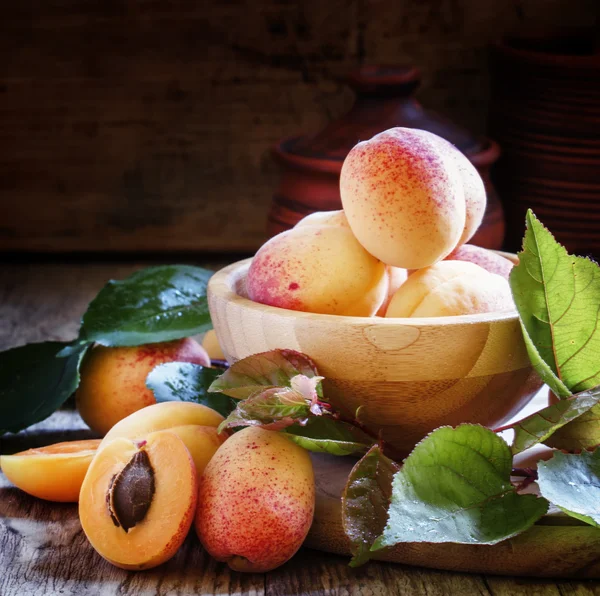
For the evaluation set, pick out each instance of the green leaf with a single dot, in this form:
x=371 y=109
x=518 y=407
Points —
x=267 y=369
x=572 y=482
x=152 y=305
x=273 y=408
x=34 y=382
x=365 y=502
x=455 y=487
x=558 y=299
x=184 y=381
x=540 y=426
x=583 y=433
x=323 y=434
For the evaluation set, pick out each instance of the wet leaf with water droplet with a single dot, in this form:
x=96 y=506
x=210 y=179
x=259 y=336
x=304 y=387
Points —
x=572 y=482
x=152 y=305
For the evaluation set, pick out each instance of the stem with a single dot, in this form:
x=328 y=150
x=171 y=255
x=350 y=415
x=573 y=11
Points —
x=503 y=428
x=357 y=424
x=524 y=472
x=219 y=363
x=529 y=476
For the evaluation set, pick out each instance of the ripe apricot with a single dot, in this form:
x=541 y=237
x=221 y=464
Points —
x=325 y=218
x=202 y=442
x=54 y=472
x=163 y=416
x=138 y=499
x=490 y=261
x=451 y=288
x=256 y=500
x=113 y=380
x=320 y=267
x=396 y=276
x=410 y=197
x=210 y=342
x=195 y=424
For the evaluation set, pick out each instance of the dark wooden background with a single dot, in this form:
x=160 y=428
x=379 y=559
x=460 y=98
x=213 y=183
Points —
x=145 y=125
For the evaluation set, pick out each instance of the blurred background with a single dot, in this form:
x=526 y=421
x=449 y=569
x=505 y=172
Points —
x=145 y=126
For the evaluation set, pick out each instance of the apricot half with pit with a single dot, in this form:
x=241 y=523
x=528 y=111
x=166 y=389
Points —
x=138 y=499
x=54 y=473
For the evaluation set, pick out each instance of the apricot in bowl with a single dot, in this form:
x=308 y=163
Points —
x=408 y=375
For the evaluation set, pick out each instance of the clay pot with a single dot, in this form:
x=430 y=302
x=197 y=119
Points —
x=545 y=112
x=384 y=98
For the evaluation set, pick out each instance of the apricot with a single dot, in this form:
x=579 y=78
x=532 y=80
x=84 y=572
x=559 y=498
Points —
x=396 y=276
x=490 y=261
x=163 y=416
x=210 y=343
x=54 y=472
x=410 y=197
x=201 y=441
x=325 y=218
x=256 y=500
x=451 y=288
x=138 y=499
x=320 y=267
x=113 y=380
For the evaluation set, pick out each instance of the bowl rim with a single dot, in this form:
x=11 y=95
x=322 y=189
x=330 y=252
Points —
x=220 y=284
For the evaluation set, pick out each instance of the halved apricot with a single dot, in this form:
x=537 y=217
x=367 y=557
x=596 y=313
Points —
x=54 y=473
x=137 y=500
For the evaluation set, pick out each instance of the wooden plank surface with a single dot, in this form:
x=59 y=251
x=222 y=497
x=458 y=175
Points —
x=142 y=125
x=42 y=547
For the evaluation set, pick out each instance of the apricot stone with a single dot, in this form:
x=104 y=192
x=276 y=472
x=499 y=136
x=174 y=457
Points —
x=138 y=499
x=320 y=267
x=451 y=288
x=256 y=500
x=54 y=473
x=410 y=197
x=490 y=261
x=113 y=380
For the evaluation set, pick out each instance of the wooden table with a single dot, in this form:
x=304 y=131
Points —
x=44 y=551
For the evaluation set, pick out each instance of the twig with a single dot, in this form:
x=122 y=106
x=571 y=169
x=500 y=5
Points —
x=529 y=476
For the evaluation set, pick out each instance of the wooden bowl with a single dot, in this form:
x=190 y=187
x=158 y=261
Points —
x=408 y=375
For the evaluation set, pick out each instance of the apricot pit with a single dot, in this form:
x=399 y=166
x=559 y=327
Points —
x=131 y=492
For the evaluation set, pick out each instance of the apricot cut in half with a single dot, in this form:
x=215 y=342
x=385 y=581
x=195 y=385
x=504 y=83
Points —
x=54 y=472
x=138 y=499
